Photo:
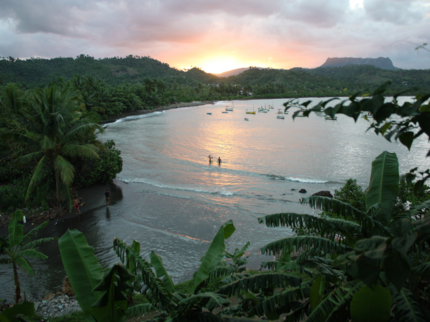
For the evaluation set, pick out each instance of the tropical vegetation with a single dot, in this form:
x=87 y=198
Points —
x=17 y=248
x=194 y=84
x=46 y=135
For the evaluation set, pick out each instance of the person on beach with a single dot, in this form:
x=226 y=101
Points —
x=76 y=202
x=219 y=161
x=210 y=158
x=107 y=194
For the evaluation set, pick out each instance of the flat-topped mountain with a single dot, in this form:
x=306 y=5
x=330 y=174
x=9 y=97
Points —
x=380 y=62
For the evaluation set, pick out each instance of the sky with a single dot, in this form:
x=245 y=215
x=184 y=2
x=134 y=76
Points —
x=219 y=35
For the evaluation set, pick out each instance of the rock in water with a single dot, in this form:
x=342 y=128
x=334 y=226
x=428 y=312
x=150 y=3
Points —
x=302 y=190
x=323 y=193
x=67 y=287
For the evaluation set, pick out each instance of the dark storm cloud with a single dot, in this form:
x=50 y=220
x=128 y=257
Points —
x=46 y=16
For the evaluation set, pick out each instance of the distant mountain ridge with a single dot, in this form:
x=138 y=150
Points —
x=380 y=62
x=236 y=71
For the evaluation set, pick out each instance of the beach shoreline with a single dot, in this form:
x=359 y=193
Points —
x=114 y=118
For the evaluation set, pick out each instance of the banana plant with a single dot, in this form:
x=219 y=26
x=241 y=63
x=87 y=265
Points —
x=362 y=255
x=16 y=248
x=101 y=297
x=160 y=290
x=16 y=312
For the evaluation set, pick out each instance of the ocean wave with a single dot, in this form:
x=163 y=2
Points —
x=221 y=191
x=134 y=117
x=293 y=179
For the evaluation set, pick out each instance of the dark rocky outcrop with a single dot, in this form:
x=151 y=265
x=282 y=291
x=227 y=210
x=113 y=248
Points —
x=302 y=190
x=325 y=193
x=380 y=62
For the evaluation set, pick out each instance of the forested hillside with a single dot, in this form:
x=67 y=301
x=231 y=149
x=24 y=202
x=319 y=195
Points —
x=322 y=81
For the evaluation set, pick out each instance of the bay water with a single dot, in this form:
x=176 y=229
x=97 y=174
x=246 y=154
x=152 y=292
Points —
x=173 y=201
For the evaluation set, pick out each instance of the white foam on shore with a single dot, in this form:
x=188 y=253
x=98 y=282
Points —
x=134 y=117
x=220 y=191
x=303 y=180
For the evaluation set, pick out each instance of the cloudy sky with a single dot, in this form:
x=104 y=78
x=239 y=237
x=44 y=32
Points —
x=219 y=35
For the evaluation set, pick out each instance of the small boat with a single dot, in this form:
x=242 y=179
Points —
x=250 y=111
x=224 y=112
x=209 y=113
x=246 y=119
x=280 y=114
x=230 y=109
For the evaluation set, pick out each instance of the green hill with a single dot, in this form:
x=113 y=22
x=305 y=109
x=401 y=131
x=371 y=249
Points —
x=322 y=81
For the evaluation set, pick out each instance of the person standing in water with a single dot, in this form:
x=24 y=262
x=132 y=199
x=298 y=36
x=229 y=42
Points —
x=219 y=161
x=210 y=158
x=107 y=194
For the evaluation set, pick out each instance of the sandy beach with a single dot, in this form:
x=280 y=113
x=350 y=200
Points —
x=113 y=118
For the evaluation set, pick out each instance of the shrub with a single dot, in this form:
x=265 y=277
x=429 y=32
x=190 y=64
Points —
x=99 y=171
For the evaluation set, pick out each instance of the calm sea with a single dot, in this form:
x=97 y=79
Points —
x=170 y=199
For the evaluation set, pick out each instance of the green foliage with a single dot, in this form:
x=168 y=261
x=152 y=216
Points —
x=211 y=258
x=13 y=194
x=352 y=194
x=82 y=268
x=371 y=304
x=112 y=305
x=384 y=186
x=384 y=244
x=237 y=257
x=17 y=248
x=53 y=132
x=14 y=313
x=100 y=170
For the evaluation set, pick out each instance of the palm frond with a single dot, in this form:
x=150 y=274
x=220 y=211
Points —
x=143 y=269
x=38 y=175
x=37 y=242
x=80 y=151
x=417 y=209
x=30 y=157
x=218 y=272
x=234 y=277
x=334 y=205
x=32 y=253
x=79 y=129
x=334 y=302
x=139 y=309
x=347 y=211
x=210 y=300
x=422 y=270
x=282 y=300
x=256 y=283
x=271 y=265
x=304 y=243
x=314 y=224
x=34 y=231
x=406 y=309
x=25 y=265
x=65 y=169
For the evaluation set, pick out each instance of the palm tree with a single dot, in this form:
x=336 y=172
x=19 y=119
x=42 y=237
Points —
x=57 y=133
x=18 y=248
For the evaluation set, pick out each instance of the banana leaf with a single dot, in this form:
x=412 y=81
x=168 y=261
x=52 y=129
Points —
x=161 y=272
x=384 y=185
x=216 y=248
x=82 y=268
